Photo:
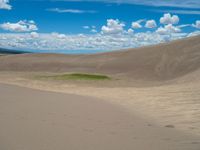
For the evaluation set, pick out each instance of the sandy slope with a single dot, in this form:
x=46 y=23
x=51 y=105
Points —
x=32 y=119
x=160 y=62
x=157 y=83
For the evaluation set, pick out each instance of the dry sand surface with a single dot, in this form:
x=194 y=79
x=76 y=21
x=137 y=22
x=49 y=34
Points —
x=32 y=119
x=152 y=101
x=154 y=63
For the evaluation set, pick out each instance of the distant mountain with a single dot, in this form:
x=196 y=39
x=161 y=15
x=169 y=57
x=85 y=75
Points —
x=8 y=51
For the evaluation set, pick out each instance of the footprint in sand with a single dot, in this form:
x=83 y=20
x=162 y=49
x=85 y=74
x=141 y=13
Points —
x=149 y=125
x=170 y=126
x=195 y=143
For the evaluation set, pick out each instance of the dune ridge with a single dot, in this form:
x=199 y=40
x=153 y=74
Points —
x=160 y=62
x=160 y=81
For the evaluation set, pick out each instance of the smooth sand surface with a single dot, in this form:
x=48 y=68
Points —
x=37 y=120
x=151 y=103
x=174 y=103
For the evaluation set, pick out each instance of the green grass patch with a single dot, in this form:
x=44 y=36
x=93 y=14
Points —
x=77 y=76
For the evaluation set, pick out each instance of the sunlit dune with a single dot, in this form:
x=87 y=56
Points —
x=135 y=96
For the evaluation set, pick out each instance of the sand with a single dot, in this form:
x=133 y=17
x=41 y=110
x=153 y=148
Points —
x=152 y=101
x=32 y=119
x=169 y=104
x=153 y=63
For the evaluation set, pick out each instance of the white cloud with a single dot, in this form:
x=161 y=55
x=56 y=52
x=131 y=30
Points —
x=58 y=35
x=86 y=27
x=184 y=25
x=75 y=11
x=34 y=34
x=172 y=29
x=130 y=31
x=4 y=4
x=137 y=24
x=161 y=30
x=151 y=24
x=185 y=12
x=168 y=29
x=21 y=26
x=56 y=42
x=169 y=19
x=93 y=30
x=113 y=36
x=195 y=33
x=113 y=27
x=197 y=24
x=171 y=3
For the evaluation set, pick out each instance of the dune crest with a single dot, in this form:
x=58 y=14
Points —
x=160 y=62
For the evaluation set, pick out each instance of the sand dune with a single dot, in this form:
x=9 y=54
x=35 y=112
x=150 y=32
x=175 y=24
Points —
x=156 y=87
x=160 y=62
x=50 y=121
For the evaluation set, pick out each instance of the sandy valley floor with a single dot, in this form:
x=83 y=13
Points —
x=32 y=119
x=152 y=101
x=160 y=117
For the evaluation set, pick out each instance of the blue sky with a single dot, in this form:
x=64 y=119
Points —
x=95 y=25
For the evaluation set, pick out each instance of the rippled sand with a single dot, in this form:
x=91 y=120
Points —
x=158 y=83
x=170 y=104
x=35 y=119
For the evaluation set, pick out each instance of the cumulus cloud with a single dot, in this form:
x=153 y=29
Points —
x=197 y=24
x=113 y=27
x=168 y=29
x=172 y=29
x=169 y=19
x=4 y=4
x=34 y=34
x=56 y=42
x=113 y=36
x=130 y=31
x=21 y=26
x=137 y=24
x=58 y=35
x=151 y=24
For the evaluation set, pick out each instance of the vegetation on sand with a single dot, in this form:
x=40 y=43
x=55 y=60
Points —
x=77 y=76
